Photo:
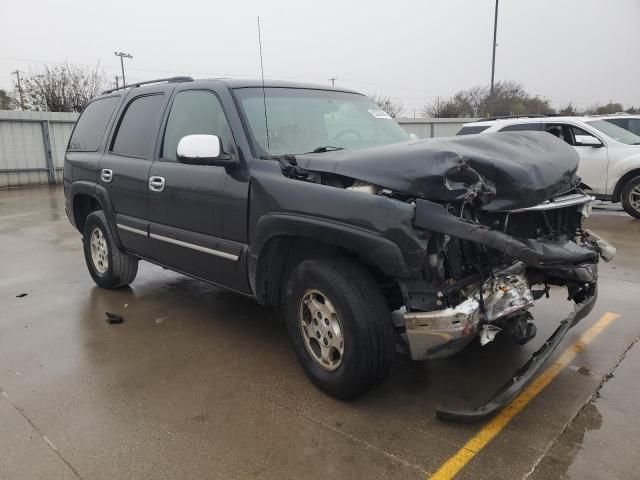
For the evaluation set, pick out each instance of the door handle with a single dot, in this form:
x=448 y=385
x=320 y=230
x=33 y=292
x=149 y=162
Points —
x=156 y=184
x=106 y=175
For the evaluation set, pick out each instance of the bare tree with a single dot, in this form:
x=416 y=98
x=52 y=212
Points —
x=508 y=98
x=65 y=88
x=568 y=110
x=6 y=102
x=393 y=108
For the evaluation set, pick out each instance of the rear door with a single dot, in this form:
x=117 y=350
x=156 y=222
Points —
x=189 y=203
x=124 y=168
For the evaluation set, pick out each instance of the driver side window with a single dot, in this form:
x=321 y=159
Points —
x=195 y=112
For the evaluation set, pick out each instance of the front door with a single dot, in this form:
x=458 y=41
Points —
x=186 y=205
x=594 y=162
x=124 y=168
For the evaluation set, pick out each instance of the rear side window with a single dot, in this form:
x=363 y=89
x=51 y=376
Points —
x=521 y=127
x=90 y=128
x=473 y=129
x=631 y=124
x=138 y=126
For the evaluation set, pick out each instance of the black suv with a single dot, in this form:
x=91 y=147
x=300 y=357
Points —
x=313 y=198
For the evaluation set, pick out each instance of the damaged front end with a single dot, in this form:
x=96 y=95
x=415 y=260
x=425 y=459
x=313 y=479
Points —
x=500 y=218
x=488 y=268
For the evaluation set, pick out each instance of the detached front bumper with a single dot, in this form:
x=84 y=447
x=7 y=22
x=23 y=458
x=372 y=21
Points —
x=525 y=373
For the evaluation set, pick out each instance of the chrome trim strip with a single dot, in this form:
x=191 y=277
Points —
x=131 y=229
x=558 y=202
x=198 y=248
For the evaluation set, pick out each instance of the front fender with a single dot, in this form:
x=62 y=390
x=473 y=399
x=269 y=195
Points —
x=618 y=171
x=373 y=248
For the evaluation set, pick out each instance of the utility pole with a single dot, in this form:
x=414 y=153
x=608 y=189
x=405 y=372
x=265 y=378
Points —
x=333 y=81
x=495 y=36
x=122 y=55
x=117 y=85
x=17 y=74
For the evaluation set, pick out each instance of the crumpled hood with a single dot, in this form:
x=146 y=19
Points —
x=505 y=170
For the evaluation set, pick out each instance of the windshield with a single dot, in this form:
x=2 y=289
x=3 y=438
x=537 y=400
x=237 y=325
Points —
x=619 y=134
x=304 y=120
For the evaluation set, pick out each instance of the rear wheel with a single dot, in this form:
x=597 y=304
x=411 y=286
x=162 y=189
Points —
x=109 y=266
x=340 y=325
x=630 y=197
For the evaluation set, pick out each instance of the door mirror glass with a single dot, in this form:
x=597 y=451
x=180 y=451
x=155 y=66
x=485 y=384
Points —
x=587 y=141
x=202 y=150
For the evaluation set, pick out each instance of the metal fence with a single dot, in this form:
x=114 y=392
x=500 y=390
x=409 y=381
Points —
x=433 y=127
x=32 y=146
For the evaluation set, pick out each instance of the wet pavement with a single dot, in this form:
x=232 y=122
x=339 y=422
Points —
x=201 y=383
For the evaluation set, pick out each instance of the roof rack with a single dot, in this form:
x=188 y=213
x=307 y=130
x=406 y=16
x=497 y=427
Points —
x=147 y=82
x=506 y=117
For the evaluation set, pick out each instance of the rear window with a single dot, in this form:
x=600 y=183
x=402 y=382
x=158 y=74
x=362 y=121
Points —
x=138 y=126
x=471 y=130
x=88 y=133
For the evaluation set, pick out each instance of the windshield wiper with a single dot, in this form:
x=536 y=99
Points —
x=325 y=148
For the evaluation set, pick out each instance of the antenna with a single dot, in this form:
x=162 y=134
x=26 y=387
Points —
x=264 y=95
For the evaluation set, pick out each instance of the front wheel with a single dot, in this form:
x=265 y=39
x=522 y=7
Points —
x=630 y=197
x=340 y=325
x=109 y=266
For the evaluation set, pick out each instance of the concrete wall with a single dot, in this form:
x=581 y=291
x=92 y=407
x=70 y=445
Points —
x=433 y=127
x=32 y=146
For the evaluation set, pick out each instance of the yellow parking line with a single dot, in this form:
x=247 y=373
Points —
x=454 y=464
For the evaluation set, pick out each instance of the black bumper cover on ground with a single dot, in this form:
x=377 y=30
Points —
x=524 y=374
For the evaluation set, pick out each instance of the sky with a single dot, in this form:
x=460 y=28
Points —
x=580 y=51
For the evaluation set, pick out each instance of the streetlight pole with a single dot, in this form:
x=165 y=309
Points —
x=333 y=81
x=17 y=74
x=493 y=58
x=122 y=55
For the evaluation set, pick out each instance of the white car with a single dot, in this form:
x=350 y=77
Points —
x=609 y=155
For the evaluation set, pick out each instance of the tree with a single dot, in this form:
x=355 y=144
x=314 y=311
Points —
x=568 y=110
x=6 y=103
x=508 y=98
x=393 y=108
x=65 y=88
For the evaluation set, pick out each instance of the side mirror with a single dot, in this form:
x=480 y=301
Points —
x=203 y=150
x=587 y=141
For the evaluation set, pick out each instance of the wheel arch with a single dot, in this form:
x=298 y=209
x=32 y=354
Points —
x=282 y=241
x=88 y=197
x=617 y=192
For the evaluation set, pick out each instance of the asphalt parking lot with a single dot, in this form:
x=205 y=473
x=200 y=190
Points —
x=201 y=383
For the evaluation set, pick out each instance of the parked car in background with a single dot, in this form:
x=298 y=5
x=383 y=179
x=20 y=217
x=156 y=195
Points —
x=609 y=153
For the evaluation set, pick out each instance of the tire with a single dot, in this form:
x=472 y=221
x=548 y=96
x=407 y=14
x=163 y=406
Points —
x=364 y=322
x=630 y=197
x=109 y=266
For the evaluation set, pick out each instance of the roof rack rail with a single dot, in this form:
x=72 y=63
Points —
x=506 y=117
x=147 y=82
